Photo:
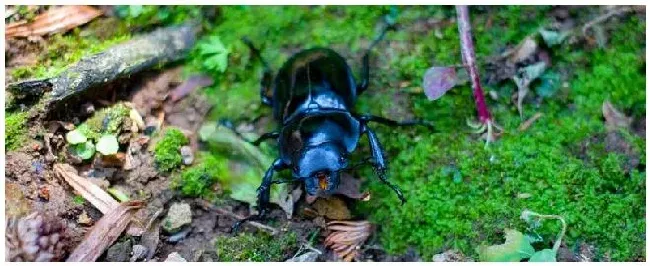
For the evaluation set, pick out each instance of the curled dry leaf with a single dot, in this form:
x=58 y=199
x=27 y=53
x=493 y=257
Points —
x=438 y=80
x=615 y=118
x=105 y=232
x=351 y=188
x=346 y=237
x=55 y=20
x=88 y=190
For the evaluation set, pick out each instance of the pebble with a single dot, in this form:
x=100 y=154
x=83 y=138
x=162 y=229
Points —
x=175 y=257
x=179 y=214
x=139 y=253
x=188 y=156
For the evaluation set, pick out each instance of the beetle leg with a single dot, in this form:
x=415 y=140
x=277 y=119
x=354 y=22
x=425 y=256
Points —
x=265 y=136
x=365 y=68
x=379 y=163
x=390 y=122
x=267 y=75
x=263 y=194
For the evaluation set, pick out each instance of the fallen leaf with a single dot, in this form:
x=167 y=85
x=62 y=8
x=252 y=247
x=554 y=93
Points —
x=524 y=50
x=514 y=249
x=91 y=192
x=191 y=84
x=552 y=38
x=524 y=77
x=332 y=208
x=350 y=187
x=59 y=19
x=525 y=125
x=614 y=118
x=247 y=167
x=346 y=237
x=438 y=80
x=107 y=145
x=544 y=255
x=75 y=137
x=105 y=232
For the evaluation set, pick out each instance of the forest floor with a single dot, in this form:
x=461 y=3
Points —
x=571 y=143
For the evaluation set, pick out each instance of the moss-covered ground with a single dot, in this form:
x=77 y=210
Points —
x=460 y=195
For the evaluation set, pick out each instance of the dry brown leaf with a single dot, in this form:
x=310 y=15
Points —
x=105 y=232
x=615 y=118
x=88 y=190
x=525 y=125
x=350 y=187
x=55 y=20
x=346 y=237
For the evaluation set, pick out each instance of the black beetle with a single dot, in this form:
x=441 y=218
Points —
x=313 y=100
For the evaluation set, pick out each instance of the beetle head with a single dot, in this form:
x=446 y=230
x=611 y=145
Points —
x=319 y=166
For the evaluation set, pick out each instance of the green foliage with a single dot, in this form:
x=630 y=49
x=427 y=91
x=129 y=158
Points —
x=256 y=247
x=213 y=54
x=472 y=203
x=84 y=150
x=108 y=145
x=514 y=249
x=15 y=130
x=138 y=16
x=78 y=199
x=197 y=181
x=63 y=50
x=108 y=120
x=167 y=152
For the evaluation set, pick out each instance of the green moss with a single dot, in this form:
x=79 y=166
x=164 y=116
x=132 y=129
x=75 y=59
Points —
x=197 y=181
x=15 y=130
x=108 y=120
x=256 y=247
x=167 y=152
x=461 y=195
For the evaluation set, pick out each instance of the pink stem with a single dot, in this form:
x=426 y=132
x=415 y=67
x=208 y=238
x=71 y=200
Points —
x=469 y=60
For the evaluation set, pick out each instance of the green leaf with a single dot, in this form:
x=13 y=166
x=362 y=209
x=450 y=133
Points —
x=552 y=38
x=107 y=145
x=75 y=137
x=545 y=255
x=247 y=165
x=84 y=150
x=118 y=194
x=214 y=53
x=514 y=249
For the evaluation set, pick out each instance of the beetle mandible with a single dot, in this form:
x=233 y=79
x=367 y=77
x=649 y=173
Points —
x=313 y=99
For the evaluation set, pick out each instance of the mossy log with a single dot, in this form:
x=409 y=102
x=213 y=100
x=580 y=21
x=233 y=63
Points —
x=156 y=48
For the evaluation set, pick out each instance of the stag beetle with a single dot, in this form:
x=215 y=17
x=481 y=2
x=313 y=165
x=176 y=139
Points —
x=313 y=99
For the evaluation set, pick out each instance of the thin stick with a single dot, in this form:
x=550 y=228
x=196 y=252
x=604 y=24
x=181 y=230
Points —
x=469 y=60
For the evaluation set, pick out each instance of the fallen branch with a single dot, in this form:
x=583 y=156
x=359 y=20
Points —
x=207 y=205
x=89 y=191
x=606 y=16
x=155 y=48
x=105 y=232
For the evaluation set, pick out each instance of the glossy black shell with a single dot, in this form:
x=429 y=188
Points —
x=313 y=95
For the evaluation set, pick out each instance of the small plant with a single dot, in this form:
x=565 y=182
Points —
x=15 y=130
x=213 y=54
x=259 y=247
x=518 y=246
x=167 y=151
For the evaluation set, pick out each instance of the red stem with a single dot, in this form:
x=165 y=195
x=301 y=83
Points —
x=469 y=60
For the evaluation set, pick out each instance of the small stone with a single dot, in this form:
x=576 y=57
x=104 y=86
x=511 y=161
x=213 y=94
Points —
x=84 y=219
x=179 y=214
x=175 y=257
x=310 y=256
x=188 y=156
x=139 y=253
x=119 y=252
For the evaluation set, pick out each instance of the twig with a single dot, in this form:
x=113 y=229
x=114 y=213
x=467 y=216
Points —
x=91 y=192
x=469 y=60
x=105 y=232
x=525 y=125
x=606 y=16
x=228 y=213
